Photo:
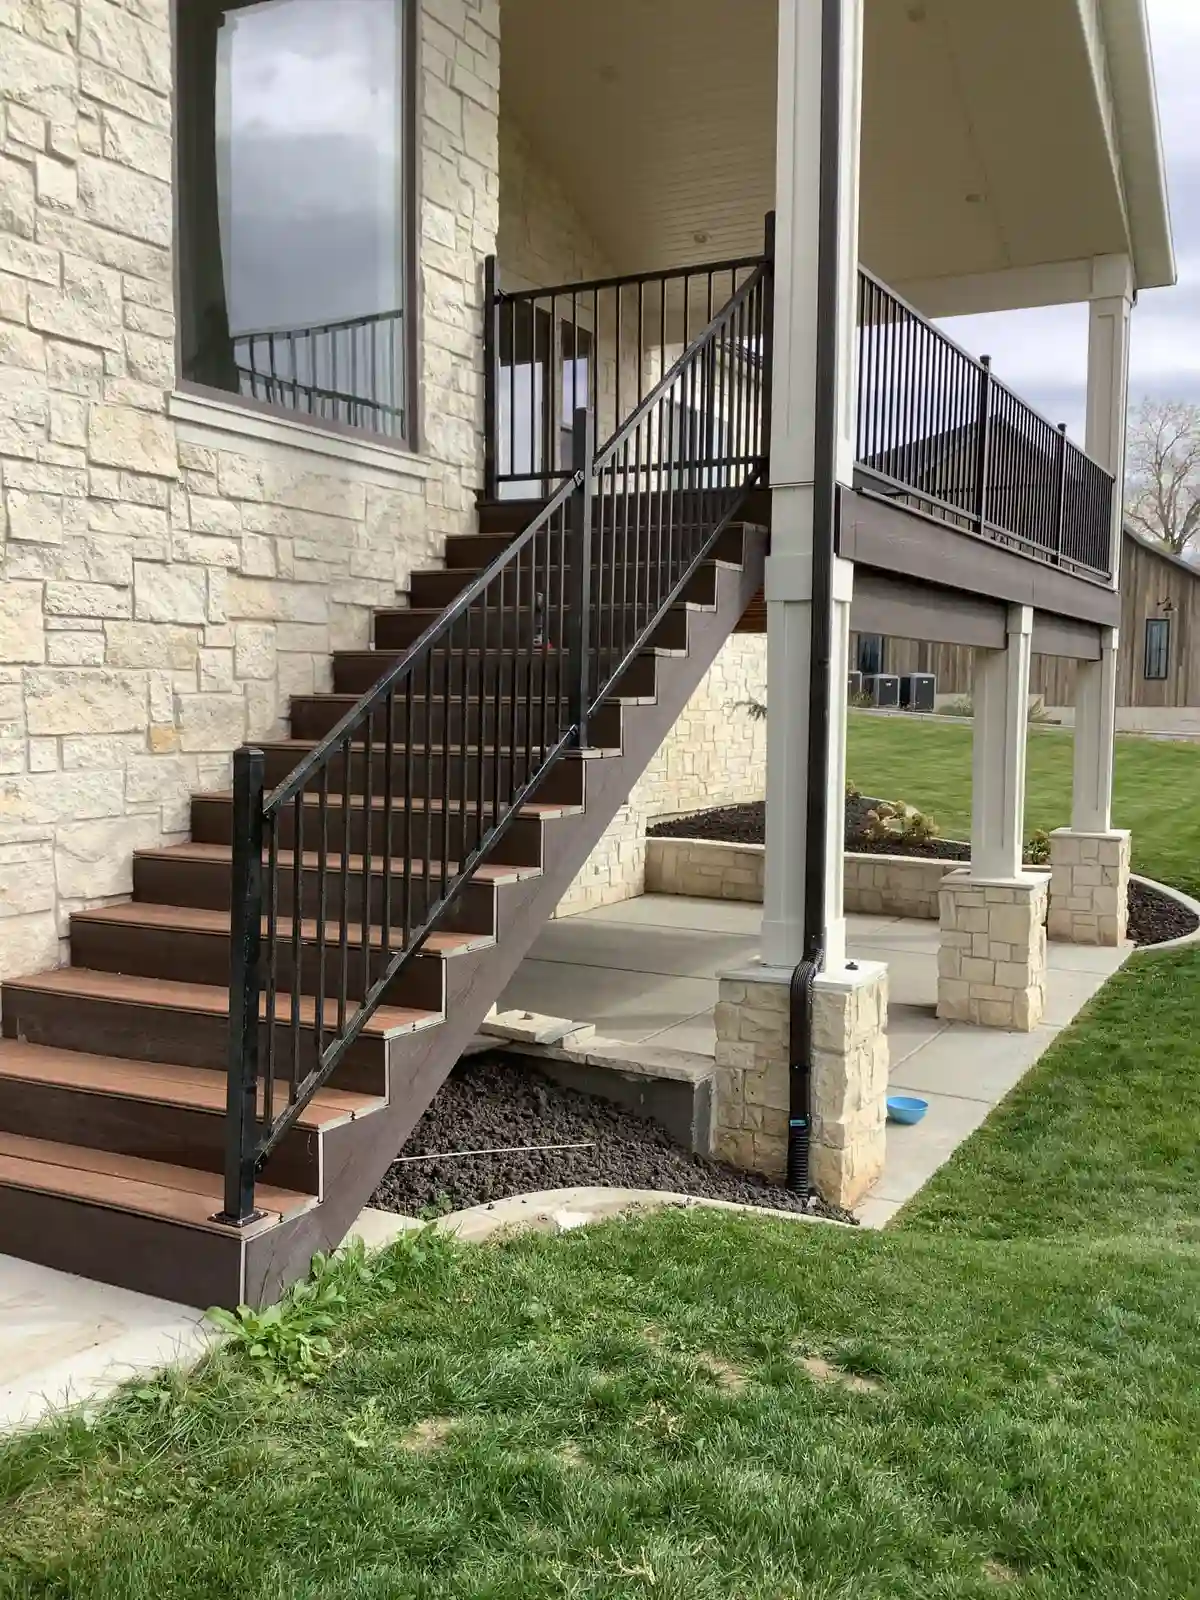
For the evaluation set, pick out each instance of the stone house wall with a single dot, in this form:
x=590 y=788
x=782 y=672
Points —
x=172 y=569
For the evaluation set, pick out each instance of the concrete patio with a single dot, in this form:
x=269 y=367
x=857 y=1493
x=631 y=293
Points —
x=646 y=970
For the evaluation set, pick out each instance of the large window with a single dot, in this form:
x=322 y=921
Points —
x=1158 y=647
x=294 y=139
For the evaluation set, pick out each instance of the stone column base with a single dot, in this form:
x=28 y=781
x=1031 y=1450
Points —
x=992 y=960
x=1089 y=886
x=850 y=1069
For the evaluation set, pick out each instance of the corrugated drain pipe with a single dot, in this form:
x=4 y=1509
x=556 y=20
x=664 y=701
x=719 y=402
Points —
x=825 y=509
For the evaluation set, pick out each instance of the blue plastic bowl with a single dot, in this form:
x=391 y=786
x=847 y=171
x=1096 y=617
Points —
x=906 y=1108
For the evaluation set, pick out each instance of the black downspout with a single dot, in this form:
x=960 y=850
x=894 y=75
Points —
x=825 y=510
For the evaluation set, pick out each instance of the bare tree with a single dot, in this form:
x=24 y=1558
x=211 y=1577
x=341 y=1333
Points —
x=1162 y=480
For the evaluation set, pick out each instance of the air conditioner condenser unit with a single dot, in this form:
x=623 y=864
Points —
x=918 y=691
x=884 y=689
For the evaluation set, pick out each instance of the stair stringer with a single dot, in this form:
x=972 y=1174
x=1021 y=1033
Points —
x=419 y=1064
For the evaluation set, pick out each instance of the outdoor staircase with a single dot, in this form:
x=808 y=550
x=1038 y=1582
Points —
x=114 y=1128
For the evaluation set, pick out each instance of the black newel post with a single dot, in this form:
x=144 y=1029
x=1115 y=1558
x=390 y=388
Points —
x=245 y=983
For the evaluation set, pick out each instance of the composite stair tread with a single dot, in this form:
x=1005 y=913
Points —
x=160 y=1081
x=488 y=872
x=82 y=983
x=201 y=919
x=131 y=1183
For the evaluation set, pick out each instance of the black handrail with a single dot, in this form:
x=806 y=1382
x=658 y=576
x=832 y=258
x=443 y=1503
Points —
x=938 y=428
x=514 y=668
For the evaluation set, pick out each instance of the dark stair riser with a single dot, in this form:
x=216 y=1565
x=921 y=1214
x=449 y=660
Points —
x=628 y=582
x=197 y=956
x=520 y=846
x=149 y=1254
x=358 y=671
x=436 y=778
x=151 y=1130
x=164 y=880
x=143 y=1032
x=313 y=716
x=517 y=630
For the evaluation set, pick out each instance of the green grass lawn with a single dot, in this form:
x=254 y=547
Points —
x=998 y=1397
x=1156 y=790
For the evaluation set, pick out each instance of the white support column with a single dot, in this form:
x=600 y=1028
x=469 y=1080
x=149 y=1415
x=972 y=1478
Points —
x=1095 y=733
x=789 y=585
x=992 y=955
x=1110 y=310
x=1001 y=695
x=1090 y=859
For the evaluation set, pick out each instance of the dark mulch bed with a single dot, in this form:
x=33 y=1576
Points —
x=490 y=1103
x=1153 y=917
x=747 y=825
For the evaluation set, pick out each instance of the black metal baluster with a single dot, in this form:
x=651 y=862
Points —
x=983 y=429
x=322 y=880
x=297 y=1075
x=581 y=568
x=465 y=734
x=447 y=756
x=389 y=809
x=344 y=919
x=368 y=809
x=407 y=892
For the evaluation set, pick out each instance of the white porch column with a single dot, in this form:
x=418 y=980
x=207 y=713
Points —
x=850 y=1052
x=992 y=955
x=1001 y=695
x=789 y=586
x=1091 y=859
x=1095 y=732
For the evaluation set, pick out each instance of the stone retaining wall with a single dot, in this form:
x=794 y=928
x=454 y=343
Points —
x=710 y=869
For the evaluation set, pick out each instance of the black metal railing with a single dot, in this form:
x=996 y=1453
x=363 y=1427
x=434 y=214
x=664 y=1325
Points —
x=350 y=372
x=343 y=871
x=603 y=344
x=936 y=427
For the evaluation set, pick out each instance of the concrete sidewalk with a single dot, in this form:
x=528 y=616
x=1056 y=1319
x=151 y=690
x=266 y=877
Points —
x=646 y=971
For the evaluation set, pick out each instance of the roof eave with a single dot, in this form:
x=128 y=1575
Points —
x=1139 y=135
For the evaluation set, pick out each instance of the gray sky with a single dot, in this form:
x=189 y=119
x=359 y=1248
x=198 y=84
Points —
x=1043 y=354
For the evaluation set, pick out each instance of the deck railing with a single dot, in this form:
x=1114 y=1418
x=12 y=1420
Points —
x=935 y=427
x=938 y=429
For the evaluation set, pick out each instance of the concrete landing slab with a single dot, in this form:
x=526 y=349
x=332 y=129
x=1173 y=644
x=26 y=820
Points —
x=67 y=1342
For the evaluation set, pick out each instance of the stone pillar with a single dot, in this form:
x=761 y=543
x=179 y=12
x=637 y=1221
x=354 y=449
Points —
x=1089 y=886
x=794 y=466
x=992 y=960
x=850 y=1071
x=1000 y=735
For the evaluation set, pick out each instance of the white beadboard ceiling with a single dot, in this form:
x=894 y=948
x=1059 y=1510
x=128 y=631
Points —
x=984 y=141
